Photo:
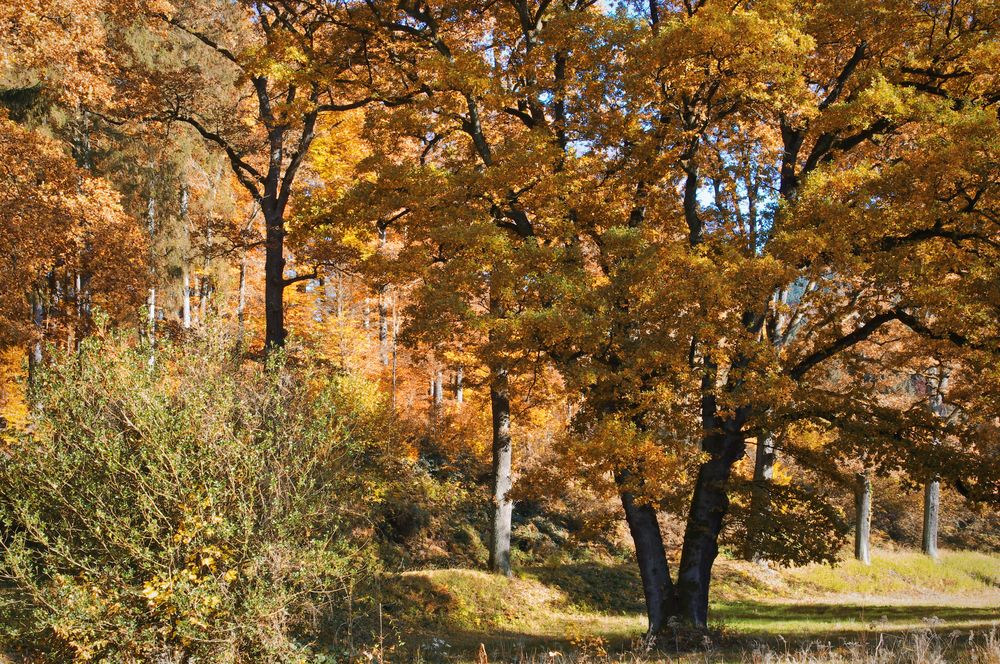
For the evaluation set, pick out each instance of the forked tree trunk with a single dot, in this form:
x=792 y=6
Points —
x=502 y=506
x=657 y=587
x=863 y=518
x=932 y=505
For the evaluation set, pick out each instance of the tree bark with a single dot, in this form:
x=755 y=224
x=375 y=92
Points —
x=241 y=302
x=274 y=280
x=657 y=587
x=932 y=505
x=863 y=518
x=383 y=326
x=706 y=515
x=760 y=496
x=186 y=306
x=459 y=390
x=151 y=326
x=502 y=507
x=35 y=349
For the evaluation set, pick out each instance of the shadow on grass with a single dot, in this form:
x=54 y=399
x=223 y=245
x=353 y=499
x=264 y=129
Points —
x=774 y=618
x=597 y=587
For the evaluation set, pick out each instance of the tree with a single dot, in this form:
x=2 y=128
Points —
x=269 y=73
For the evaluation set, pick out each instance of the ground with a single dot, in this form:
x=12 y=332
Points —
x=446 y=614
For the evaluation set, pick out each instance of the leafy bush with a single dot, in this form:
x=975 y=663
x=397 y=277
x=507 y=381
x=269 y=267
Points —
x=203 y=509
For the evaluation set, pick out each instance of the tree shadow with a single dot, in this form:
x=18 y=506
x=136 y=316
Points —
x=596 y=587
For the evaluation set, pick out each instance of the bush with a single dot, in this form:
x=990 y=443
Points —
x=203 y=509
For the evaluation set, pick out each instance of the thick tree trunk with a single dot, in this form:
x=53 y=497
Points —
x=863 y=518
x=274 y=281
x=709 y=505
x=932 y=505
x=657 y=587
x=502 y=507
x=760 y=496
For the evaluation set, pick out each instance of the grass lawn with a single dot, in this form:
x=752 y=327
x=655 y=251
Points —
x=449 y=613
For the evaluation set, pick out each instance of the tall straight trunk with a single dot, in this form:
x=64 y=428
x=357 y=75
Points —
x=241 y=302
x=932 y=506
x=186 y=306
x=438 y=388
x=274 y=279
x=459 y=390
x=204 y=292
x=395 y=331
x=383 y=326
x=863 y=518
x=151 y=326
x=185 y=269
x=502 y=506
x=706 y=516
x=657 y=587
x=760 y=496
x=35 y=348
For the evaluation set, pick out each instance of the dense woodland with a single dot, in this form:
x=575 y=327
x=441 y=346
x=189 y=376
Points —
x=299 y=295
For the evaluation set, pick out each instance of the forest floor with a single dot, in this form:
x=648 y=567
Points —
x=560 y=611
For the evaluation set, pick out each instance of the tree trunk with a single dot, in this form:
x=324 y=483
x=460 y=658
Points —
x=459 y=390
x=438 y=388
x=383 y=326
x=657 y=587
x=241 y=302
x=760 y=496
x=709 y=505
x=503 y=507
x=35 y=349
x=186 y=306
x=274 y=281
x=151 y=326
x=863 y=518
x=932 y=505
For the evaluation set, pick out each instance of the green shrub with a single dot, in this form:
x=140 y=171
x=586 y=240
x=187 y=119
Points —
x=203 y=509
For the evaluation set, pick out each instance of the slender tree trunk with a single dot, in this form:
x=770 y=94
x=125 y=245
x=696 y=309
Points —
x=760 y=496
x=932 y=506
x=241 y=302
x=863 y=518
x=274 y=280
x=503 y=506
x=706 y=516
x=383 y=326
x=438 y=388
x=186 y=306
x=151 y=326
x=459 y=390
x=657 y=587
x=35 y=348
x=395 y=331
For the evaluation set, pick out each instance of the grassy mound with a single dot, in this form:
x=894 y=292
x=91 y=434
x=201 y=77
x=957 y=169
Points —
x=451 y=611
